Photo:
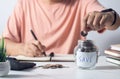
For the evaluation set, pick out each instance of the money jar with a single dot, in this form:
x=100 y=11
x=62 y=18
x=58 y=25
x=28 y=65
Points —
x=86 y=54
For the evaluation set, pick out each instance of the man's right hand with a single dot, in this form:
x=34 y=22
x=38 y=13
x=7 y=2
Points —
x=32 y=49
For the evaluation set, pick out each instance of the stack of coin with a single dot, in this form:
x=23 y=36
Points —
x=52 y=66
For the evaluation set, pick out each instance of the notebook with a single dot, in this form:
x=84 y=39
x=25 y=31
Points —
x=112 y=52
x=56 y=58
x=115 y=47
x=113 y=60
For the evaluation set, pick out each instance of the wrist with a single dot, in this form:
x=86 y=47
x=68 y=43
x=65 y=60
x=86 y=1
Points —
x=17 y=49
x=113 y=14
x=21 y=49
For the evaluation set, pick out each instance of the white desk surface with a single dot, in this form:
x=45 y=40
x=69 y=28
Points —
x=103 y=70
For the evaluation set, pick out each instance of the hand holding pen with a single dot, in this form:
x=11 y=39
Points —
x=39 y=45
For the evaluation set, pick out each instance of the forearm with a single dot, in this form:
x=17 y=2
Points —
x=13 y=48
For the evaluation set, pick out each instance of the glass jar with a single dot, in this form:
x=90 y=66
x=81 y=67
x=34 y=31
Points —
x=86 y=54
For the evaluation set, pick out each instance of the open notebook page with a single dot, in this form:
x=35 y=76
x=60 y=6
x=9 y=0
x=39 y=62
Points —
x=57 y=57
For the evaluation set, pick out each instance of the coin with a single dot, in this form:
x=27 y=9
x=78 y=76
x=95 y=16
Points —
x=84 y=34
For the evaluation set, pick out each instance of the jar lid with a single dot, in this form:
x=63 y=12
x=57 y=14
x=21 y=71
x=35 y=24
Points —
x=87 y=43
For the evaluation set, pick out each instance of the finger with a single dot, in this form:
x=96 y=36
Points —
x=103 y=20
x=41 y=52
x=90 y=19
x=34 y=50
x=41 y=47
x=38 y=53
x=30 y=50
x=33 y=47
x=96 y=22
x=85 y=23
x=38 y=45
x=44 y=48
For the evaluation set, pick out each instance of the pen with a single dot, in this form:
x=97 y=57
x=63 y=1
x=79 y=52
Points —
x=33 y=35
x=37 y=39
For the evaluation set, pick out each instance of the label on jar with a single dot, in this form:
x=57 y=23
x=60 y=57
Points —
x=86 y=60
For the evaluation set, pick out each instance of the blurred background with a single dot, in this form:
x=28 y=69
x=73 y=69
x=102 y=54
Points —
x=103 y=41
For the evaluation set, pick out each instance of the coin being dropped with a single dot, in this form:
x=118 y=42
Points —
x=84 y=34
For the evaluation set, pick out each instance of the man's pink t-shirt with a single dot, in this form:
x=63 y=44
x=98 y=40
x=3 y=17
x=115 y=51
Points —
x=57 y=26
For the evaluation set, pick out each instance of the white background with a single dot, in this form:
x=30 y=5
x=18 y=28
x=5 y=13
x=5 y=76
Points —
x=103 y=41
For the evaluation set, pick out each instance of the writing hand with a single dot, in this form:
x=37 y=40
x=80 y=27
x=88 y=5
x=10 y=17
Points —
x=33 y=49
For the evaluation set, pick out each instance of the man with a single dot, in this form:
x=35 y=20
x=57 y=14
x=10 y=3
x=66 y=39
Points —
x=56 y=23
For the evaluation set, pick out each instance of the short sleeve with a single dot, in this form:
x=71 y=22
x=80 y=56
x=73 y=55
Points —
x=94 y=5
x=14 y=23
